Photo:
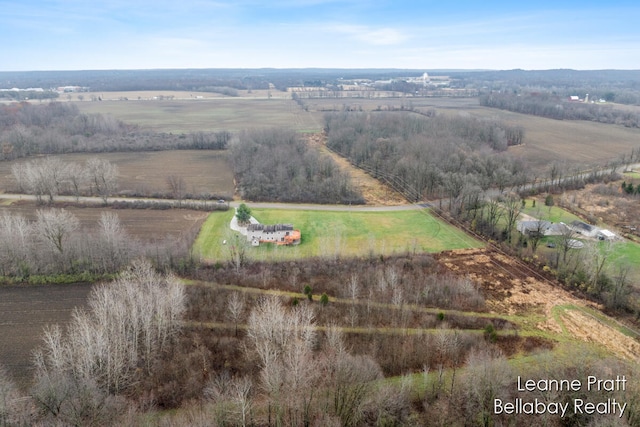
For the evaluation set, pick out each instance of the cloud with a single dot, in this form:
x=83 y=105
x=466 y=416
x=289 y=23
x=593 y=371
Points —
x=373 y=36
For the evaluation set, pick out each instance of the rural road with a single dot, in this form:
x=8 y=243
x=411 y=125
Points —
x=295 y=206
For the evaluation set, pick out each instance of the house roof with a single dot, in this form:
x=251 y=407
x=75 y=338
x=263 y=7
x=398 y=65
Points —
x=583 y=226
x=270 y=228
x=539 y=225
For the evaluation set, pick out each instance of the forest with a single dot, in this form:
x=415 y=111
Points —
x=555 y=107
x=278 y=165
x=429 y=156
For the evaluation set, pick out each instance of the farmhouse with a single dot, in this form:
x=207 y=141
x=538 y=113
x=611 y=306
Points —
x=280 y=234
x=542 y=228
x=533 y=228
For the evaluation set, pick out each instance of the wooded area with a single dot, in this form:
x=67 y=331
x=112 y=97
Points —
x=278 y=165
x=554 y=107
x=54 y=128
x=429 y=156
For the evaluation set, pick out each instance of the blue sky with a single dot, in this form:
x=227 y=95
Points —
x=142 y=34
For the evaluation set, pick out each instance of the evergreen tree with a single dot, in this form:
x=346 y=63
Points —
x=243 y=214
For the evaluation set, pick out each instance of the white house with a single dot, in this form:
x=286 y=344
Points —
x=280 y=234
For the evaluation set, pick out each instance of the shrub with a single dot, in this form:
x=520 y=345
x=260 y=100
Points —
x=324 y=299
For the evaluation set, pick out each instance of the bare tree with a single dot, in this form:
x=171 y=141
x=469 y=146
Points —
x=487 y=377
x=54 y=227
x=103 y=177
x=595 y=257
x=494 y=213
x=114 y=242
x=242 y=391
x=353 y=290
x=536 y=233
x=351 y=383
x=620 y=287
x=41 y=177
x=566 y=242
x=237 y=247
x=16 y=249
x=77 y=178
x=235 y=309
x=513 y=207
x=177 y=187
x=283 y=341
x=127 y=324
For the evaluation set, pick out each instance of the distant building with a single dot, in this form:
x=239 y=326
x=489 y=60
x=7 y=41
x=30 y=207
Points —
x=574 y=98
x=280 y=234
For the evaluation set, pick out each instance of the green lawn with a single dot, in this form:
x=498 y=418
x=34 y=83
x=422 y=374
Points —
x=549 y=213
x=626 y=254
x=333 y=233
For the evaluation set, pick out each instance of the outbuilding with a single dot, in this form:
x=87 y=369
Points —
x=605 y=235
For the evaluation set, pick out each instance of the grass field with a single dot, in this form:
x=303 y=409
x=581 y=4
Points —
x=332 y=233
x=626 y=254
x=203 y=171
x=211 y=114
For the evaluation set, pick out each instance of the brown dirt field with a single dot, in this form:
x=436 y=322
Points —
x=144 y=224
x=511 y=291
x=374 y=192
x=204 y=171
x=24 y=312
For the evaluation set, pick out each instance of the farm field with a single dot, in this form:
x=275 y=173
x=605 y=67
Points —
x=203 y=171
x=333 y=234
x=211 y=114
x=580 y=144
x=24 y=312
x=144 y=224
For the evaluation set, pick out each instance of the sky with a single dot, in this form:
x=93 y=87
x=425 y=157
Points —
x=422 y=34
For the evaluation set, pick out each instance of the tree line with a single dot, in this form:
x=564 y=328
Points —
x=555 y=107
x=81 y=374
x=428 y=156
x=50 y=176
x=278 y=165
x=54 y=244
x=52 y=128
